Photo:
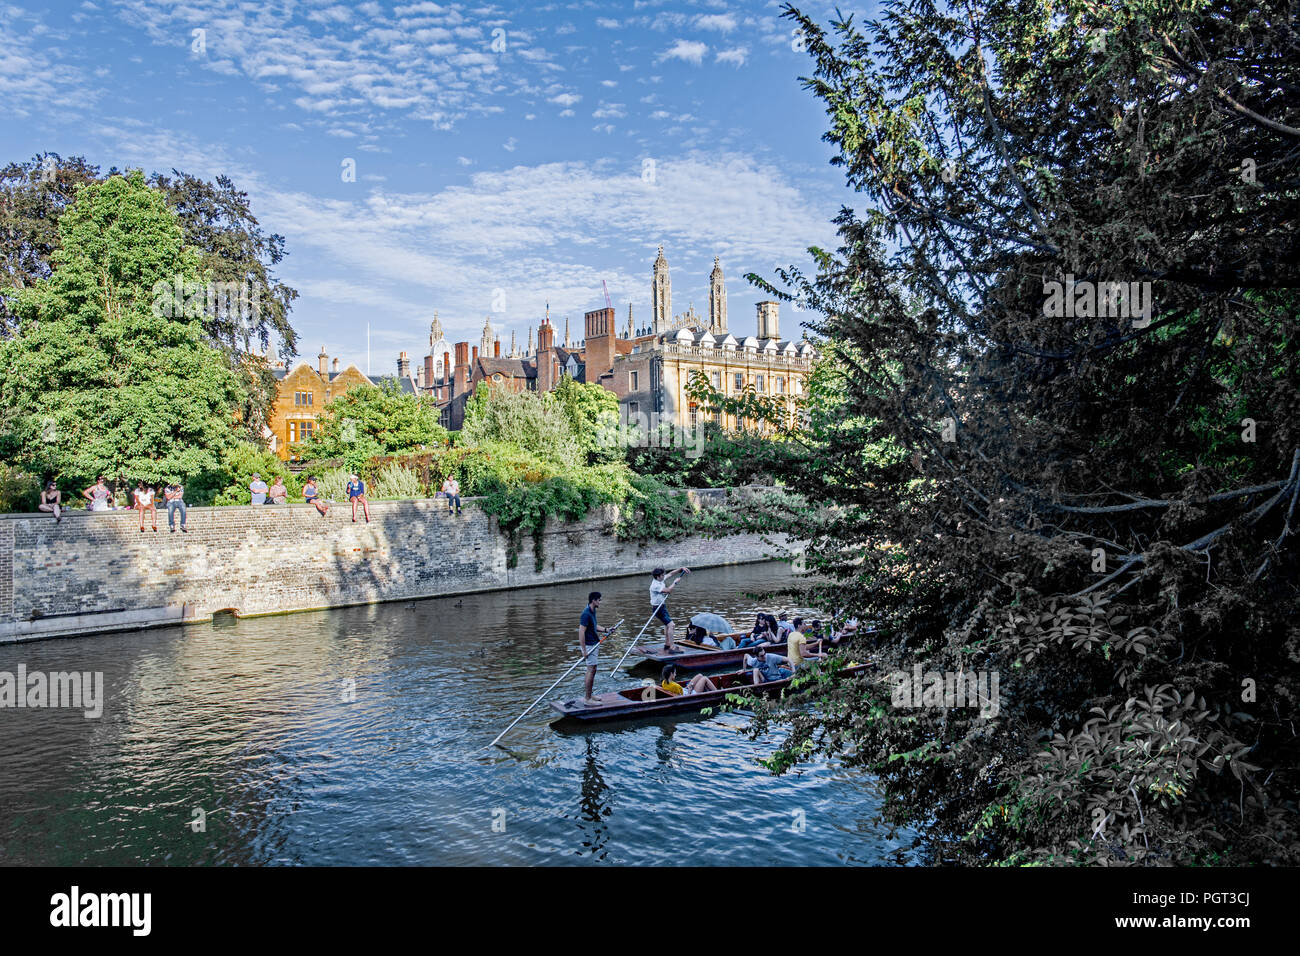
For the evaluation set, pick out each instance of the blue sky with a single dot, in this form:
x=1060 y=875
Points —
x=506 y=155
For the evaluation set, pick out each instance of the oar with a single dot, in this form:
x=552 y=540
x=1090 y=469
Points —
x=585 y=652
x=638 y=635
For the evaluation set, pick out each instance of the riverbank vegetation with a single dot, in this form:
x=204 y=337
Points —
x=1095 y=501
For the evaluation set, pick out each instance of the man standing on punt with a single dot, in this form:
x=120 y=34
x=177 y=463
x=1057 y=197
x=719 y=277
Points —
x=660 y=588
x=589 y=643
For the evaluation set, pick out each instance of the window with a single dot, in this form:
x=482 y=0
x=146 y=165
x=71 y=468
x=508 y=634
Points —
x=293 y=432
x=716 y=379
x=740 y=381
x=780 y=386
x=693 y=415
x=304 y=431
x=717 y=419
x=636 y=378
x=303 y=398
x=633 y=410
x=758 y=383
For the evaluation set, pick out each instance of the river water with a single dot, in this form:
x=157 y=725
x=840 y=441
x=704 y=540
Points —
x=358 y=736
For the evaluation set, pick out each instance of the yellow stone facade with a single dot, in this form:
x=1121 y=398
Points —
x=301 y=397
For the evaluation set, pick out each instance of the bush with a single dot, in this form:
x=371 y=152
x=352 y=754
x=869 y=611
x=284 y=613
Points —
x=21 y=492
x=395 y=481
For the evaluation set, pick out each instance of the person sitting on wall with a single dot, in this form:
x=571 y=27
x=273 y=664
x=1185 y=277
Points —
x=698 y=684
x=312 y=496
x=279 y=494
x=357 y=494
x=174 y=494
x=51 y=501
x=99 y=495
x=144 y=503
x=451 y=491
x=257 y=488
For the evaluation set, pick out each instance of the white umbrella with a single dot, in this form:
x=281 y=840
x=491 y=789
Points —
x=713 y=622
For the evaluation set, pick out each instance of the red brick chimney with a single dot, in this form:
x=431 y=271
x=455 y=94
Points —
x=496 y=349
x=600 y=342
x=545 y=356
x=461 y=381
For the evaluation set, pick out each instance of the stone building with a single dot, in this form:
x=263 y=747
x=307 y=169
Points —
x=303 y=395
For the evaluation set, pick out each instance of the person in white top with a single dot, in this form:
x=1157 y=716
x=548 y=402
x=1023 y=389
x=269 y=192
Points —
x=143 y=503
x=661 y=585
x=451 y=491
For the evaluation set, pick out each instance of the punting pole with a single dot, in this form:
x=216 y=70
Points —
x=557 y=683
x=638 y=636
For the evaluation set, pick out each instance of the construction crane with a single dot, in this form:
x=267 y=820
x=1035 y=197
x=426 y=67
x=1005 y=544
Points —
x=609 y=304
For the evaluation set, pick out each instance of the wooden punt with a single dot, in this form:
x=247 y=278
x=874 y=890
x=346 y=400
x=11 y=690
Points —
x=694 y=657
x=652 y=701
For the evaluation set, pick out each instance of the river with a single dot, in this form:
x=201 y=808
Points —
x=358 y=736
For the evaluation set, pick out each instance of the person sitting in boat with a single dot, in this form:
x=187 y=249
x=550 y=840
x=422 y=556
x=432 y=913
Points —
x=759 y=635
x=797 y=646
x=698 y=684
x=767 y=667
x=704 y=637
x=728 y=643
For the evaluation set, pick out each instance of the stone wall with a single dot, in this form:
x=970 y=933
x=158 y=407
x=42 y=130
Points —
x=97 y=572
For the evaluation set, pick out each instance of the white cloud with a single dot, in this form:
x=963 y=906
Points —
x=689 y=51
x=606 y=23
x=566 y=99
x=736 y=55
x=722 y=22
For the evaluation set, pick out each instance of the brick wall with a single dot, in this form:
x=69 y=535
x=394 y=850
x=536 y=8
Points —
x=97 y=572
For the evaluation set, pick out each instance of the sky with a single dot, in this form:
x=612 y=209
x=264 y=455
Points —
x=477 y=159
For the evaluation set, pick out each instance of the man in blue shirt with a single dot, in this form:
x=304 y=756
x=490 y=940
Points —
x=767 y=667
x=357 y=492
x=589 y=642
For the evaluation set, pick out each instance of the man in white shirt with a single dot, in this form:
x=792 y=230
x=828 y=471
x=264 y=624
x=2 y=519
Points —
x=660 y=588
x=451 y=491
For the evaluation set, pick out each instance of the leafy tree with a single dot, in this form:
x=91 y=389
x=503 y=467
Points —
x=537 y=424
x=1067 y=496
x=592 y=412
x=98 y=379
x=368 y=421
x=248 y=304
x=33 y=195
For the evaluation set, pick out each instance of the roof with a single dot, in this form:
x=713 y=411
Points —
x=511 y=368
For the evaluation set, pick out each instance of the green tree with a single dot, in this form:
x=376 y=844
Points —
x=537 y=424
x=367 y=421
x=99 y=378
x=1067 y=496
x=592 y=412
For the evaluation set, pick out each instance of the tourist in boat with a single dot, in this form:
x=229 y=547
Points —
x=52 y=501
x=589 y=643
x=758 y=635
x=699 y=684
x=784 y=625
x=701 y=636
x=797 y=646
x=767 y=667
x=661 y=585
x=728 y=643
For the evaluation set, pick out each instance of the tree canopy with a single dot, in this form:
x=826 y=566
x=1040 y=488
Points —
x=98 y=378
x=367 y=421
x=1066 y=447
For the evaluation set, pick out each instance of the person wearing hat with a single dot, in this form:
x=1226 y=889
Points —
x=52 y=501
x=258 y=489
x=660 y=588
x=357 y=493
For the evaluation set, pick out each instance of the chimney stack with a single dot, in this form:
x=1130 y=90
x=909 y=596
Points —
x=336 y=365
x=461 y=383
x=322 y=361
x=403 y=365
x=496 y=349
x=768 y=320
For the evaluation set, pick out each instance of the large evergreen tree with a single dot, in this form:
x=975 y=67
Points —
x=1095 y=498
x=108 y=373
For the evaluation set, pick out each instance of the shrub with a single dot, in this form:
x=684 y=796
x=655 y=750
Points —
x=396 y=481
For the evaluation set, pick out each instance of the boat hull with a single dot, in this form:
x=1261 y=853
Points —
x=651 y=701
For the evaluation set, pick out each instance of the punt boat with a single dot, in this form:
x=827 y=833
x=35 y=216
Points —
x=692 y=657
x=653 y=701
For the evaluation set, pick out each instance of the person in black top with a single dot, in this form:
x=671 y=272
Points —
x=589 y=642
